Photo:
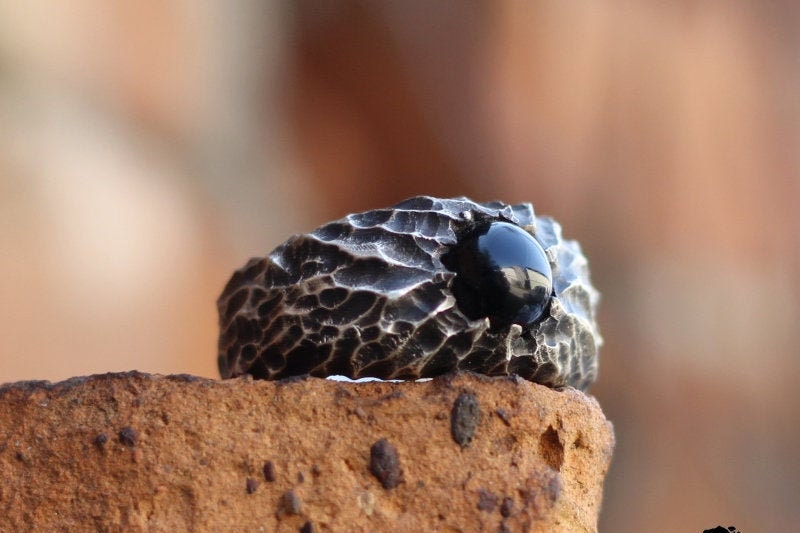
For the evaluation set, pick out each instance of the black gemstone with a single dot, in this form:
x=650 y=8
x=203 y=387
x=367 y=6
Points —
x=502 y=273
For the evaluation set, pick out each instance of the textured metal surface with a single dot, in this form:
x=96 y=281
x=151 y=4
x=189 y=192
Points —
x=368 y=295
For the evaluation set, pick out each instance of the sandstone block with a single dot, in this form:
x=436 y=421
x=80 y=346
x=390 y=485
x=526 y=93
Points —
x=138 y=452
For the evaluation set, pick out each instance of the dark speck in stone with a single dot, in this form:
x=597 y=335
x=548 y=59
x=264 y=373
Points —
x=384 y=464
x=269 y=471
x=101 y=439
x=464 y=418
x=128 y=436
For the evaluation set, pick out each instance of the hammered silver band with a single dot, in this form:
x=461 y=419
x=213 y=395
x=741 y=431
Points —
x=369 y=296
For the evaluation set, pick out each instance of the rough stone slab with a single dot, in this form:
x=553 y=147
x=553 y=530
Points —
x=138 y=452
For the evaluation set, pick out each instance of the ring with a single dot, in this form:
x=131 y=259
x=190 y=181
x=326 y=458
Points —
x=426 y=287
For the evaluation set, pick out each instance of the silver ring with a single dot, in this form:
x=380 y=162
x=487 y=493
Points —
x=425 y=287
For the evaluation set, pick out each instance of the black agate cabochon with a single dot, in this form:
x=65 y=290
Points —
x=502 y=273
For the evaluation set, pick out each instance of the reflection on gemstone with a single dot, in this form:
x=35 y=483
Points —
x=502 y=273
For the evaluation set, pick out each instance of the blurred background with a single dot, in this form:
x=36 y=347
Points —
x=149 y=148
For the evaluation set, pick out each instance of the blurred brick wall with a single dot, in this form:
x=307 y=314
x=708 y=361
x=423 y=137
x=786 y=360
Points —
x=142 y=157
x=148 y=148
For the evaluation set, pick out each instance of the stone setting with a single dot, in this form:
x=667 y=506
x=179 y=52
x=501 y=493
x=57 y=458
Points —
x=502 y=274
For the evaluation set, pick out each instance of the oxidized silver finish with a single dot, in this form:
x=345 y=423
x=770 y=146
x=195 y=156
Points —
x=368 y=295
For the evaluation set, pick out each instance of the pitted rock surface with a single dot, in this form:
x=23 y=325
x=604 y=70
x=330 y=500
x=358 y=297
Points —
x=199 y=461
x=369 y=296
